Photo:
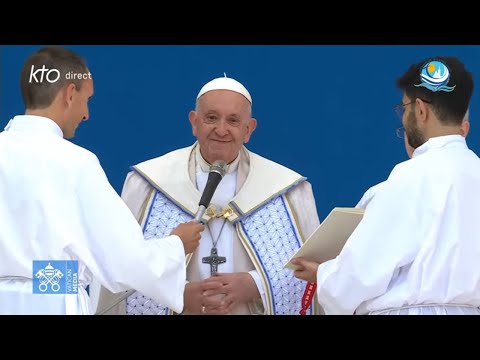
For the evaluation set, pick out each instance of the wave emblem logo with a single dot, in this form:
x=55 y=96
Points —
x=435 y=76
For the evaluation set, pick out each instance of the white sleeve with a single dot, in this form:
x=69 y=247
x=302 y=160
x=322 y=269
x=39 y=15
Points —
x=384 y=240
x=112 y=245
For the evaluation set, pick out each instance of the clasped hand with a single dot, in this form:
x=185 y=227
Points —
x=220 y=294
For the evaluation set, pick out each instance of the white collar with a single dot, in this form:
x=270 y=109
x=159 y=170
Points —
x=34 y=123
x=439 y=142
x=205 y=165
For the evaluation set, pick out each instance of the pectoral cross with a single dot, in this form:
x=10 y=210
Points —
x=213 y=260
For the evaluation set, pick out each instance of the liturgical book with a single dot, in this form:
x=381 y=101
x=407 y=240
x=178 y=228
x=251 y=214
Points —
x=330 y=236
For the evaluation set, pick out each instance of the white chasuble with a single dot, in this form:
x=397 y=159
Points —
x=270 y=212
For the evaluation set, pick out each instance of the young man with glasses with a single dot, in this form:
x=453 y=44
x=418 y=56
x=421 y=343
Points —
x=416 y=249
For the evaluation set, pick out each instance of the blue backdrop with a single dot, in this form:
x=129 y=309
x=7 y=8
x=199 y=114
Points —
x=324 y=111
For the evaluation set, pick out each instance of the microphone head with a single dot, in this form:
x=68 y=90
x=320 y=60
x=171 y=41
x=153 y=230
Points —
x=219 y=166
x=217 y=171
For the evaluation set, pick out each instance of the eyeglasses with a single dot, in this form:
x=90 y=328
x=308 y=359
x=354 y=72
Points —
x=400 y=108
x=400 y=132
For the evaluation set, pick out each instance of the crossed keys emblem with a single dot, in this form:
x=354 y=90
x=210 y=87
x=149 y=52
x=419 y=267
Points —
x=51 y=276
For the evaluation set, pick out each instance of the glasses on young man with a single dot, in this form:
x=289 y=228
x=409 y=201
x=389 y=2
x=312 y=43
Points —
x=400 y=108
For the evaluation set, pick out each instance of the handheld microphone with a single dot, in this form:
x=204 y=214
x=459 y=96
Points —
x=217 y=171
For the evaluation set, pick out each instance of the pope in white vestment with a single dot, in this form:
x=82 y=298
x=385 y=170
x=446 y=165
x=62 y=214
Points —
x=259 y=216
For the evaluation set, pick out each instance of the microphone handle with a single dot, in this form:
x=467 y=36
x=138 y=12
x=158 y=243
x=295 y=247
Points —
x=198 y=216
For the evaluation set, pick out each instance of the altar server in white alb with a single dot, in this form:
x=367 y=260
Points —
x=416 y=250
x=57 y=204
x=260 y=214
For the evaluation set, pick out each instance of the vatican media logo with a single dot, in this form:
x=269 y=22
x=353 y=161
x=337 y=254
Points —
x=52 y=75
x=55 y=277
